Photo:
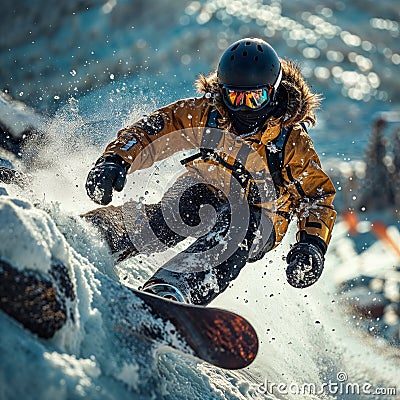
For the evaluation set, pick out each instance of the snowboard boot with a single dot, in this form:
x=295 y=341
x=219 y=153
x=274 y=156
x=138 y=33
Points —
x=110 y=222
x=165 y=291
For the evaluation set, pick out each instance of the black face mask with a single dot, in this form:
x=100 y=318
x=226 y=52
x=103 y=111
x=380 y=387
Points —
x=248 y=121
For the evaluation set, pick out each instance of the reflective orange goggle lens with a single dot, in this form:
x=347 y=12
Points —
x=251 y=98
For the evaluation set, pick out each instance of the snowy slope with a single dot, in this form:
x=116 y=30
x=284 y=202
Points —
x=94 y=356
x=304 y=337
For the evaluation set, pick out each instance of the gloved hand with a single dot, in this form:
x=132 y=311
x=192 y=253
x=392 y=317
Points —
x=109 y=173
x=305 y=264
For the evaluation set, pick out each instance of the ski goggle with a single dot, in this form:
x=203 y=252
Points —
x=253 y=99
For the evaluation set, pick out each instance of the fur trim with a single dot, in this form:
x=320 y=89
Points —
x=209 y=85
x=302 y=103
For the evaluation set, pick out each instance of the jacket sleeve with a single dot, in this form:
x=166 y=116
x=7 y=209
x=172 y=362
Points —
x=164 y=132
x=311 y=190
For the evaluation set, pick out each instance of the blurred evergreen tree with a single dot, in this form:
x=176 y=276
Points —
x=396 y=166
x=378 y=188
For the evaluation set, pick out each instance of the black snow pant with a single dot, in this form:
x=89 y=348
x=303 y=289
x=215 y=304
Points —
x=227 y=234
x=205 y=268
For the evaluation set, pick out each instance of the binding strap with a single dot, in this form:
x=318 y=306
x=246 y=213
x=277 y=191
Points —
x=208 y=141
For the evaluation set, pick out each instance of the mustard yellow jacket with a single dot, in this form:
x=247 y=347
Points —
x=307 y=191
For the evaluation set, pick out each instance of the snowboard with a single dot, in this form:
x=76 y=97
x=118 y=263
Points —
x=217 y=336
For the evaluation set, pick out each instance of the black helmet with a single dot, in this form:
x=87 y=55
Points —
x=249 y=63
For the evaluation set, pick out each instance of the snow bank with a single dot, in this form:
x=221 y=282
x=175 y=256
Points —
x=29 y=239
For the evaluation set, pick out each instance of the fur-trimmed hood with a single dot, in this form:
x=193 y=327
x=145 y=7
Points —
x=301 y=105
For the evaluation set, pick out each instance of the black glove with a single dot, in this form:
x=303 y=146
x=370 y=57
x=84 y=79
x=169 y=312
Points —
x=109 y=173
x=305 y=262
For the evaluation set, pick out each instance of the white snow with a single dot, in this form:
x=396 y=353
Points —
x=129 y=375
x=29 y=238
x=18 y=117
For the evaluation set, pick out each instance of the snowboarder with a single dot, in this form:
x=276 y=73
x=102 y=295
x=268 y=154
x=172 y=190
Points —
x=263 y=102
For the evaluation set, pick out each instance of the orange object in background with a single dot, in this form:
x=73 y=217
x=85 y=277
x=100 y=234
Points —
x=379 y=229
x=350 y=217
